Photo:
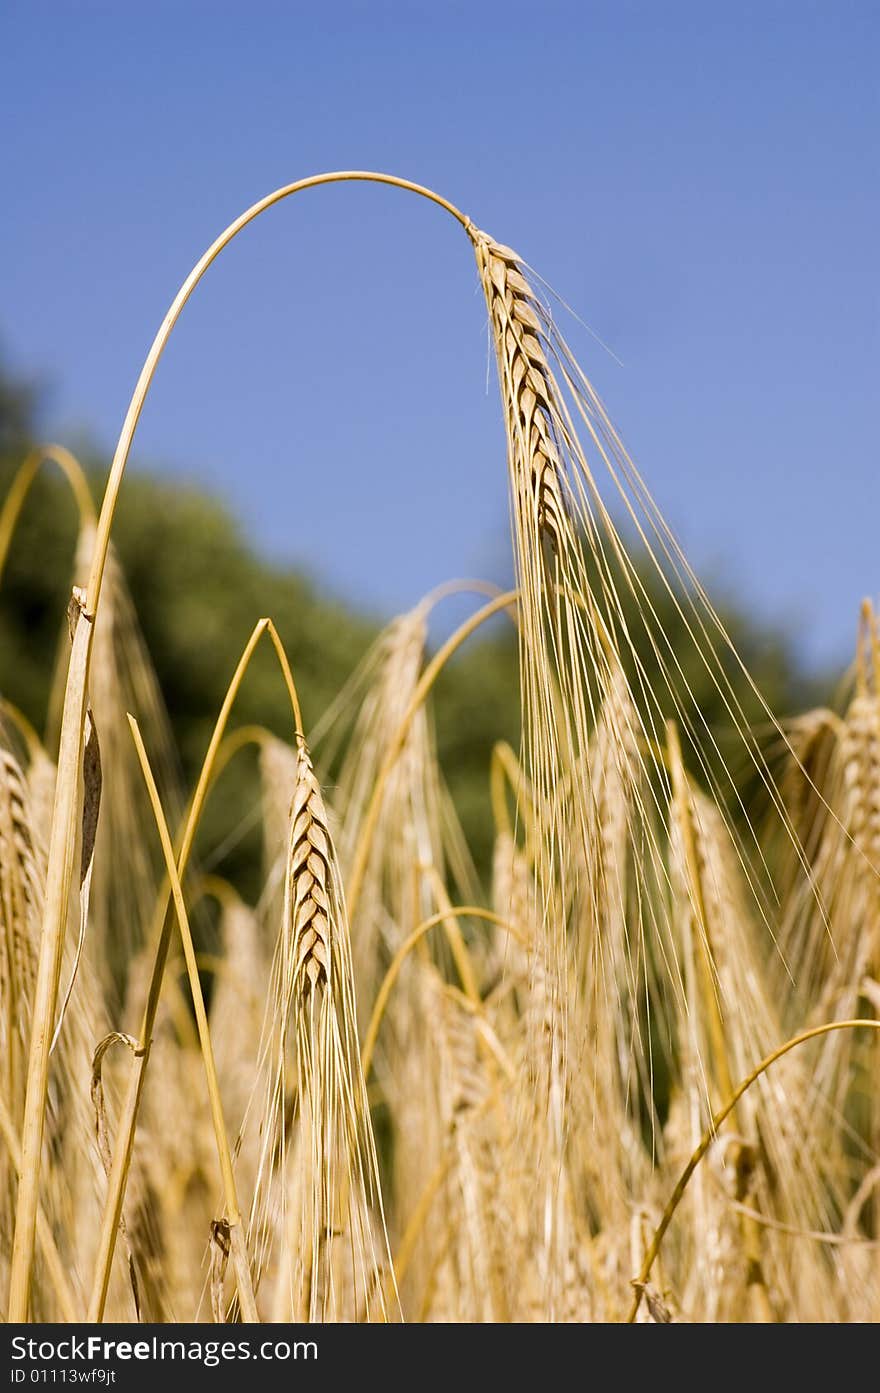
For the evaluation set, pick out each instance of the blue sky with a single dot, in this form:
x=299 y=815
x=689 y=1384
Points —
x=699 y=181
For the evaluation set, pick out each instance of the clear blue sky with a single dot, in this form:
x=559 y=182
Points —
x=700 y=181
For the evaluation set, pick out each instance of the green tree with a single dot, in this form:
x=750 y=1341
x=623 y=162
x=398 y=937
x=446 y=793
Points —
x=199 y=588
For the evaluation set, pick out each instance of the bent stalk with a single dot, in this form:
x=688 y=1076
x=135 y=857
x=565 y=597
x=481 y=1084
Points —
x=62 y=843
x=241 y=1264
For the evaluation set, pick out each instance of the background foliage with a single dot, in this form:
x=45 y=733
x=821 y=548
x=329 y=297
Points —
x=199 y=588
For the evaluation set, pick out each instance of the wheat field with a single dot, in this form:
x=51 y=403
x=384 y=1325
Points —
x=634 y=1078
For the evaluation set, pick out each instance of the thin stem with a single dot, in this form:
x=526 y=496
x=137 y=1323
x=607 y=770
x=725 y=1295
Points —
x=709 y=1136
x=215 y=887
x=499 y=778
x=236 y=740
x=121 y=1162
x=288 y=676
x=246 y=1297
x=457 y=946
x=505 y=769
x=30 y=737
x=459 y=586
x=229 y=747
x=62 y=842
x=21 y=486
x=129 y=427
x=468 y=911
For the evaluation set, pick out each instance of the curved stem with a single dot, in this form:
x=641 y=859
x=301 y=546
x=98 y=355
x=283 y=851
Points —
x=457 y=946
x=460 y=586
x=21 y=486
x=833 y=1240
x=468 y=911
x=220 y=750
x=228 y=748
x=709 y=1136
x=217 y=763
x=215 y=887
x=505 y=770
x=121 y=1162
x=424 y=685
x=287 y=675
x=63 y=839
x=224 y=1153
x=129 y=427
x=237 y=740
x=499 y=779
x=33 y=743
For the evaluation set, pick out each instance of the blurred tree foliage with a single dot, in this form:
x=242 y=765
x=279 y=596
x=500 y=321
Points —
x=199 y=589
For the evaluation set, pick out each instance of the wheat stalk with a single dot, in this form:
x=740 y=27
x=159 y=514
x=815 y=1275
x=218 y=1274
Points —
x=233 y=1215
x=330 y=1183
x=629 y=953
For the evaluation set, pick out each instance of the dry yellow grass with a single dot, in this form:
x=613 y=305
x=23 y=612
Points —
x=624 y=1083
